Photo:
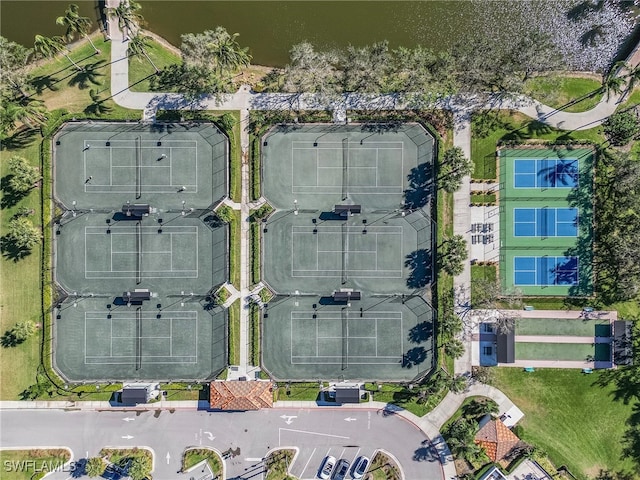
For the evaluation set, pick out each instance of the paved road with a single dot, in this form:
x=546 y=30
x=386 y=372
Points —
x=315 y=432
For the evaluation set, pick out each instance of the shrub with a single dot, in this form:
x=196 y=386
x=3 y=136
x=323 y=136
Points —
x=621 y=128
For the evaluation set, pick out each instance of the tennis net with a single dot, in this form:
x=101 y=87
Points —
x=138 y=253
x=138 y=338
x=138 y=167
x=345 y=168
x=345 y=338
x=345 y=252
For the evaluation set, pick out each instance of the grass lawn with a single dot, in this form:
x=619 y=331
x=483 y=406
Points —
x=487 y=273
x=43 y=462
x=483 y=198
x=254 y=318
x=140 y=68
x=405 y=398
x=60 y=85
x=234 y=249
x=489 y=129
x=234 y=333
x=559 y=91
x=255 y=252
x=305 y=391
x=20 y=291
x=196 y=455
x=576 y=423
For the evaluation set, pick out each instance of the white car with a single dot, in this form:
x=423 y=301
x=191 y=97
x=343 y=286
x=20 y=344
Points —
x=327 y=467
x=360 y=467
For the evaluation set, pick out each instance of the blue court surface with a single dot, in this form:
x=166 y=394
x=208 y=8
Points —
x=545 y=173
x=545 y=270
x=545 y=222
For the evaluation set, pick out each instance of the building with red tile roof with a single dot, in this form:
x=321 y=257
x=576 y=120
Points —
x=496 y=439
x=240 y=395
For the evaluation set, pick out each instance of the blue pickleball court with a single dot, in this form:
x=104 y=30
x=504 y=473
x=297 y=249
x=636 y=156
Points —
x=545 y=173
x=543 y=271
x=545 y=222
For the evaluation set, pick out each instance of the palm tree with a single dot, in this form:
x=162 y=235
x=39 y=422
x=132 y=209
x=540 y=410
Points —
x=127 y=13
x=229 y=55
x=25 y=110
x=50 y=47
x=138 y=45
x=76 y=24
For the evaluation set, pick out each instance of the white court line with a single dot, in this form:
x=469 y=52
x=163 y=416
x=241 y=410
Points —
x=162 y=252
x=350 y=337
x=144 y=336
x=99 y=316
x=110 y=167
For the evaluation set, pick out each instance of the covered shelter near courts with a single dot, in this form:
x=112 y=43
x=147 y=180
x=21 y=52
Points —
x=348 y=394
x=134 y=395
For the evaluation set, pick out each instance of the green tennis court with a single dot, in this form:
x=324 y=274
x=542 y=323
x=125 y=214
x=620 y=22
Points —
x=546 y=220
x=104 y=164
x=563 y=351
x=317 y=166
x=563 y=326
x=353 y=217
x=138 y=251
x=307 y=337
x=101 y=340
x=382 y=253
x=178 y=253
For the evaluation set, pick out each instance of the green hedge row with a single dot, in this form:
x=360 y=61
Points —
x=254 y=318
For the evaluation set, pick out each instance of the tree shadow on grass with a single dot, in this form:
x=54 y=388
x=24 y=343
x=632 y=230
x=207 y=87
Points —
x=44 y=82
x=10 y=197
x=631 y=437
x=21 y=138
x=11 y=251
x=89 y=75
x=9 y=340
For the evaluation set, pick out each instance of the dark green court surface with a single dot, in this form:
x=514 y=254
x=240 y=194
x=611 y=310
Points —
x=165 y=251
x=318 y=166
x=100 y=165
x=376 y=252
x=169 y=338
x=382 y=337
x=134 y=216
x=353 y=215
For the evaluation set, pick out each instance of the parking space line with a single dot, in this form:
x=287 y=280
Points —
x=308 y=461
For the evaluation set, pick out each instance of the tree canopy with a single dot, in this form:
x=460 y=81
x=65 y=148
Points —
x=23 y=175
x=452 y=254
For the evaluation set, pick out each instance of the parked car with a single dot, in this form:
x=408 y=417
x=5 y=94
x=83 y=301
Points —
x=341 y=469
x=360 y=467
x=326 y=469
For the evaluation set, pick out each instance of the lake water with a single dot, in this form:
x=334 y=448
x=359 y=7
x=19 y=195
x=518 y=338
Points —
x=269 y=28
